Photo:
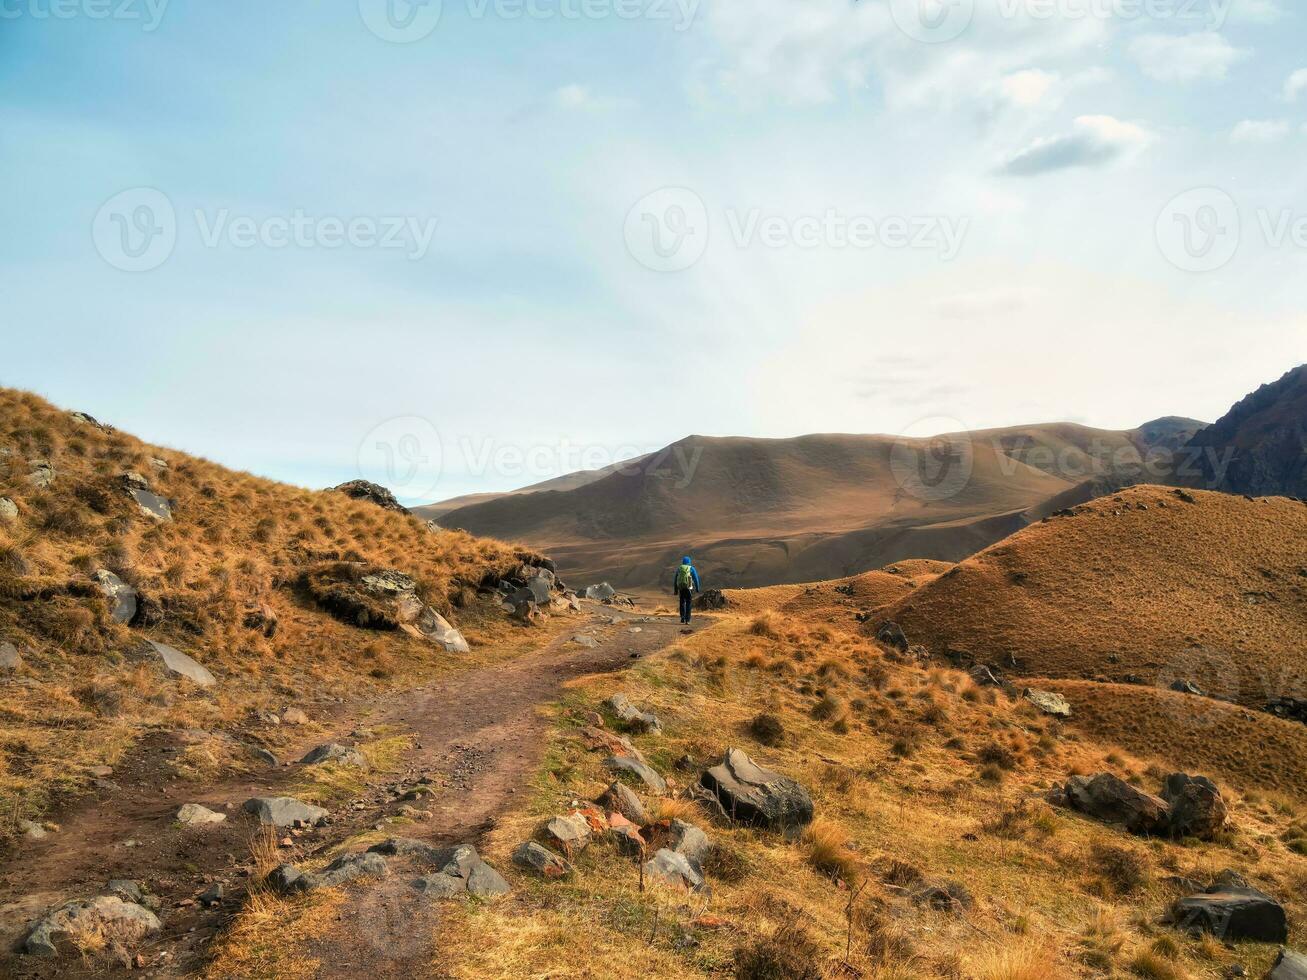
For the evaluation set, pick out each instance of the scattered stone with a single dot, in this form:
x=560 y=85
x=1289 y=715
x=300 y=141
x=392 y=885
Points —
x=32 y=830
x=294 y=716
x=1197 y=807
x=985 y=676
x=1289 y=708
x=542 y=861
x=194 y=815
x=430 y=625
x=1112 y=800
x=122 y=597
x=602 y=592
x=8 y=510
x=284 y=811
x=373 y=493
x=1048 y=702
x=680 y=837
x=126 y=889
x=620 y=798
x=462 y=870
x=947 y=896
x=1232 y=914
x=1188 y=498
x=711 y=599
x=751 y=794
x=569 y=834
x=10 y=660
x=585 y=640
x=40 y=473
x=1288 y=965
x=149 y=502
x=637 y=768
x=347 y=867
x=892 y=635
x=284 y=879
x=597 y=739
x=84 y=419
x=674 y=871
x=175 y=662
x=344 y=755
x=264 y=755
x=1187 y=687
x=212 y=895
x=631 y=716
x=105 y=915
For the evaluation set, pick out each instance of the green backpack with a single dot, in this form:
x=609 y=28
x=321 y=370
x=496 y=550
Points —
x=685 y=577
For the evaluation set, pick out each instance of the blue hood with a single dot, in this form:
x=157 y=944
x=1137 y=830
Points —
x=686 y=560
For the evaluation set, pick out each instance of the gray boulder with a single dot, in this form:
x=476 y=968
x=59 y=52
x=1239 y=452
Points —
x=1288 y=965
x=1110 y=799
x=1232 y=914
x=345 y=755
x=461 y=870
x=430 y=625
x=150 y=503
x=284 y=811
x=542 y=861
x=105 y=915
x=637 y=768
x=175 y=662
x=346 y=868
x=569 y=833
x=194 y=815
x=10 y=660
x=40 y=473
x=748 y=793
x=284 y=879
x=126 y=889
x=620 y=798
x=122 y=597
x=892 y=635
x=631 y=716
x=373 y=493
x=8 y=510
x=1197 y=807
x=688 y=840
x=1048 y=702
x=674 y=870
x=600 y=592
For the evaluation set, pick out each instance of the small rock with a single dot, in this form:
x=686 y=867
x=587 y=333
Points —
x=32 y=830
x=8 y=510
x=1048 y=702
x=284 y=811
x=674 y=871
x=568 y=834
x=175 y=662
x=193 y=815
x=600 y=592
x=122 y=597
x=294 y=716
x=620 y=798
x=1288 y=965
x=585 y=640
x=344 y=755
x=631 y=716
x=10 y=660
x=211 y=895
x=126 y=889
x=546 y=863
x=58 y=932
x=626 y=763
x=892 y=635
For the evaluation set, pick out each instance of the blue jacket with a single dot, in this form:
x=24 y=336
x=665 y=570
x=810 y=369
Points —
x=694 y=576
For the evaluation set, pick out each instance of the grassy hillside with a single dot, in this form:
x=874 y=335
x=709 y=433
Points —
x=225 y=581
x=762 y=511
x=1142 y=585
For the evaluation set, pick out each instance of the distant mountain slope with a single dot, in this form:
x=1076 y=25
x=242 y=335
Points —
x=763 y=511
x=568 y=481
x=1144 y=585
x=1260 y=446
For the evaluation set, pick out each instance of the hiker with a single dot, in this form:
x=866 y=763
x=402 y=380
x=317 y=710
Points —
x=685 y=585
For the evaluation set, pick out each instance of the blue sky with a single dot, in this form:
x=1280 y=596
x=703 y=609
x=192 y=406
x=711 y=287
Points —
x=604 y=232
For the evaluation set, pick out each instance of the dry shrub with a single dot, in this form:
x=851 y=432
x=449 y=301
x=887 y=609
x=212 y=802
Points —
x=1117 y=870
x=766 y=625
x=1151 y=965
x=827 y=850
x=1021 y=819
x=786 y=953
x=898 y=873
x=842 y=779
x=828 y=707
x=1102 y=940
x=726 y=863
x=888 y=942
x=1017 y=963
x=101 y=696
x=767 y=729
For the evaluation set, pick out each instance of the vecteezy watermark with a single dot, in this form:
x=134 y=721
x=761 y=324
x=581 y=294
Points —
x=148 y=13
x=1202 y=230
x=1209 y=14
x=403 y=454
x=933 y=21
x=931 y=463
x=407 y=21
x=137 y=230
x=669 y=230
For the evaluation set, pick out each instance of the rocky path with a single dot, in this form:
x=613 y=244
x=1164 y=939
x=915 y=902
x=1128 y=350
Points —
x=477 y=737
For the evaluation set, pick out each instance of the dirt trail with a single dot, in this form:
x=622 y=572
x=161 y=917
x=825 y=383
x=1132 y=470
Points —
x=477 y=737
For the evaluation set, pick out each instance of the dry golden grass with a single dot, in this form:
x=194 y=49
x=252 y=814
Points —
x=1141 y=583
x=237 y=545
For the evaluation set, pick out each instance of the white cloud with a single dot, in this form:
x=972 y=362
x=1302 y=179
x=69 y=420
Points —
x=579 y=98
x=1029 y=87
x=1093 y=142
x=1295 y=85
x=1260 y=131
x=1187 y=57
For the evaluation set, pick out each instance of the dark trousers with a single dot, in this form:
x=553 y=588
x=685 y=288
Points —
x=686 y=596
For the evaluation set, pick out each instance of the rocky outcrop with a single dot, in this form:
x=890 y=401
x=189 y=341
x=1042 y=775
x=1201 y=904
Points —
x=1197 y=807
x=673 y=870
x=631 y=716
x=1110 y=799
x=122 y=597
x=373 y=493
x=461 y=870
x=343 y=755
x=378 y=598
x=751 y=794
x=150 y=503
x=893 y=636
x=641 y=770
x=105 y=917
x=710 y=600
x=286 y=879
x=1048 y=702
x=1288 y=965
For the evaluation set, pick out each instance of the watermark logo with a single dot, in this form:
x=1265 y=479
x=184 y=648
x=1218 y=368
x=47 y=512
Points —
x=1199 y=230
x=1206 y=676
x=930 y=466
x=835 y=231
x=667 y=231
x=401 y=21
x=148 y=13
x=403 y=454
x=933 y=21
x=135 y=230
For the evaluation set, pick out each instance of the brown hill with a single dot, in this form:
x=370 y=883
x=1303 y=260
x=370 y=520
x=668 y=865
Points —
x=1260 y=446
x=1152 y=585
x=227 y=581
x=764 y=511
x=569 y=481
